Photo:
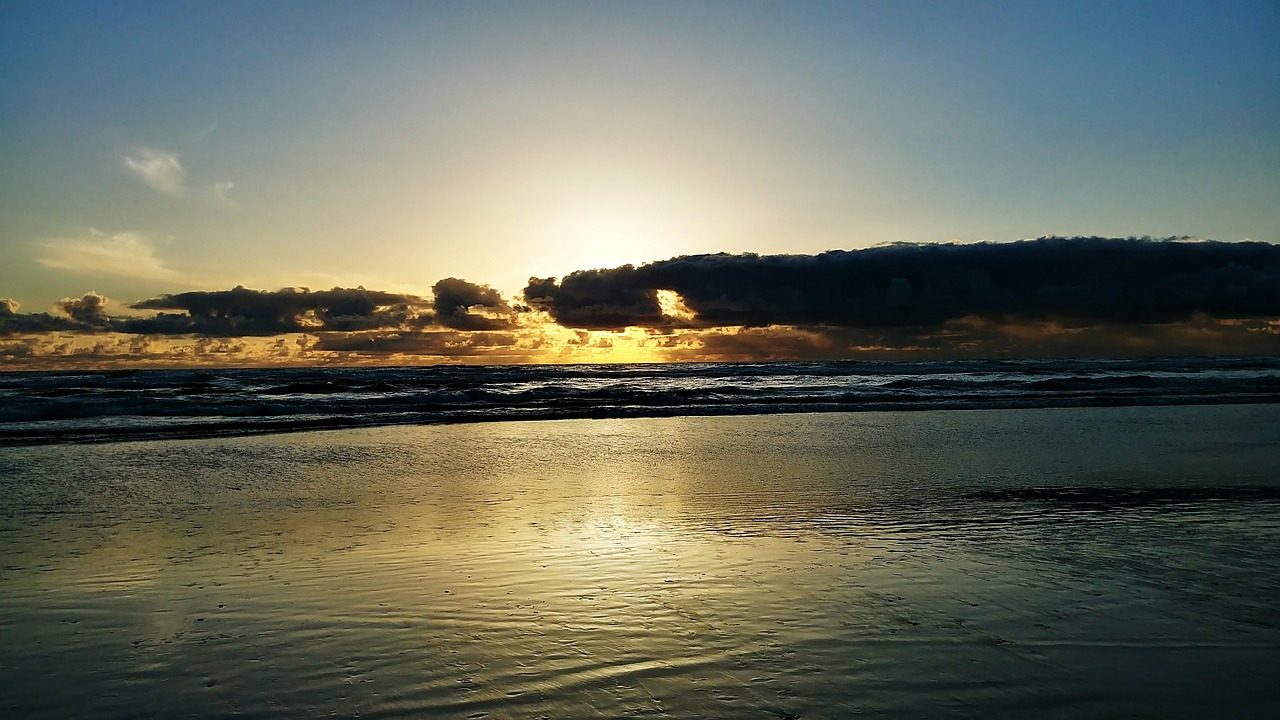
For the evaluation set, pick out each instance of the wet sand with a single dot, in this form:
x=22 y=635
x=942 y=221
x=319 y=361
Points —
x=1055 y=563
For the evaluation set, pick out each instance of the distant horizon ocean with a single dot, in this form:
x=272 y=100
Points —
x=96 y=405
x=1036 y=538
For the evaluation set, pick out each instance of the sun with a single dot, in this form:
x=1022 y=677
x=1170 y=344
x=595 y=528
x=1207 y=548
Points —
x=603 y=238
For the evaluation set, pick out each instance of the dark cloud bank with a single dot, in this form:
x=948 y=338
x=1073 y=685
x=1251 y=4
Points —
x=1072 y=280
x=1045 y=297
x=242 y=312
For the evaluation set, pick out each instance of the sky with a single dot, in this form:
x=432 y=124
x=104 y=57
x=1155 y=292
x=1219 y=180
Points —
x=438 y=153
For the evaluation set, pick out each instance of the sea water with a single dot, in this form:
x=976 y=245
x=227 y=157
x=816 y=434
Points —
x=60 y=407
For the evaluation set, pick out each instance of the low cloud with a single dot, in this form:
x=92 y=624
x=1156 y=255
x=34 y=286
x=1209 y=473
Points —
x=89 y=309
x=34 y=323
x=600 y=299
x=1074 y=280
x=464 y=305
x=82 y=314
x=1051 y=297
x=125 y=254
x=242 y=311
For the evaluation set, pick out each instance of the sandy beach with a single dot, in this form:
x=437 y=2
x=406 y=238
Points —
x=1070 y=563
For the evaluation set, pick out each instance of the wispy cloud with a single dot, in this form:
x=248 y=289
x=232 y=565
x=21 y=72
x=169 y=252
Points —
x=218 y=195
x=204 y=133
x=163 y=172
x=126 y=254
x=160 y=170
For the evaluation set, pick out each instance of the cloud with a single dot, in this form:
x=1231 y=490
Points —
x=160 y=170
x=33 y=323
x=442 y=343
x=464 y=305
x=242 y=311
x=83 y=314
x=1072 y=280
x=205 y=132
x=126 y=254
x=216 y=195
x=89 y=309
x=163 y=172
x=1052 y=297
x=971 y=337
x=599 y=299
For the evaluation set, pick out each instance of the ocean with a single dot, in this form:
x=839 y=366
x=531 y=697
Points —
x=1057 y=539
x=39 y=407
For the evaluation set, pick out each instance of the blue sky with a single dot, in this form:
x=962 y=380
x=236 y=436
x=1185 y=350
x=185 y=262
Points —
x=158 y=147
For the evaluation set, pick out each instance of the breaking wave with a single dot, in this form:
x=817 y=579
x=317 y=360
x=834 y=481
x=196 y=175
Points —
x=57 y=407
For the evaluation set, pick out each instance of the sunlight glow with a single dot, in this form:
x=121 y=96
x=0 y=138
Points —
x=606 y=237
x=672 y=305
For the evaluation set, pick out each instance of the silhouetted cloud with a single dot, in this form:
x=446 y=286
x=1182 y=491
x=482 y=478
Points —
x=600 y=299
x=1080 y=280
x=245 y=312
x=464 y=305
x=89 y=309
x=1051 y=297
x=242 y=311
x=26 y=323
x=83 y=314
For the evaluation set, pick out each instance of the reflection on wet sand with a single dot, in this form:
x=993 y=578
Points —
x=1069 y=563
